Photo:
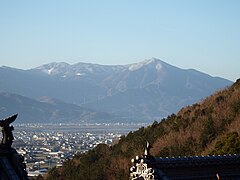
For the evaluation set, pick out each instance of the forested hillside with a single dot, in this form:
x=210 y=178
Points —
x=211 y=126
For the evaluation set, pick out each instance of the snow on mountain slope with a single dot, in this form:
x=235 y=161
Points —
x=80 y=69
x=143 y=91
x=154 y=62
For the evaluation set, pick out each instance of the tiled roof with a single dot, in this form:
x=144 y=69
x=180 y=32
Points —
x=11 y=167
x=194 y=160
x=11 y=163
x=6 y=170
x=147 y=167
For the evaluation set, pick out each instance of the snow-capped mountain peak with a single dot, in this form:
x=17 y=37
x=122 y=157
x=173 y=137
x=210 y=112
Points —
x=63 y=69
x=142 y=91
x=148 y=62
x=54 y=68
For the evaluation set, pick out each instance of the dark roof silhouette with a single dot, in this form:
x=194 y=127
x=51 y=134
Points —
x=11 y=163
x=226 y=167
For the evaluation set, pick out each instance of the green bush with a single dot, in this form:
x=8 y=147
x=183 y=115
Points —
x=229 y=144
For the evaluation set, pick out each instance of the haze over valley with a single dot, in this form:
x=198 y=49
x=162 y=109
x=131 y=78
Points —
x=87 y=93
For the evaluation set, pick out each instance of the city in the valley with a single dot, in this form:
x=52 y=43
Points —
x=45 y=146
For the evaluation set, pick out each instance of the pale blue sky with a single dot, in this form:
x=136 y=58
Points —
x=199 y=34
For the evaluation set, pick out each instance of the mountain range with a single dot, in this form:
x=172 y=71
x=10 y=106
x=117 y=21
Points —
x=84 y=92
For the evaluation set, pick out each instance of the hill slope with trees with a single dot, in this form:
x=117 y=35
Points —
x=211 y=126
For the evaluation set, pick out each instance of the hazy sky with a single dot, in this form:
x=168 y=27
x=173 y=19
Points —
x=199 y=34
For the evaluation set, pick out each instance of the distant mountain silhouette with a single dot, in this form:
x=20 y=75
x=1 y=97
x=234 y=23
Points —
x=47 y=110
x=140 y=92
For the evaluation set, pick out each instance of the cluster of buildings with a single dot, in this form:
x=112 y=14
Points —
x=43 y=148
